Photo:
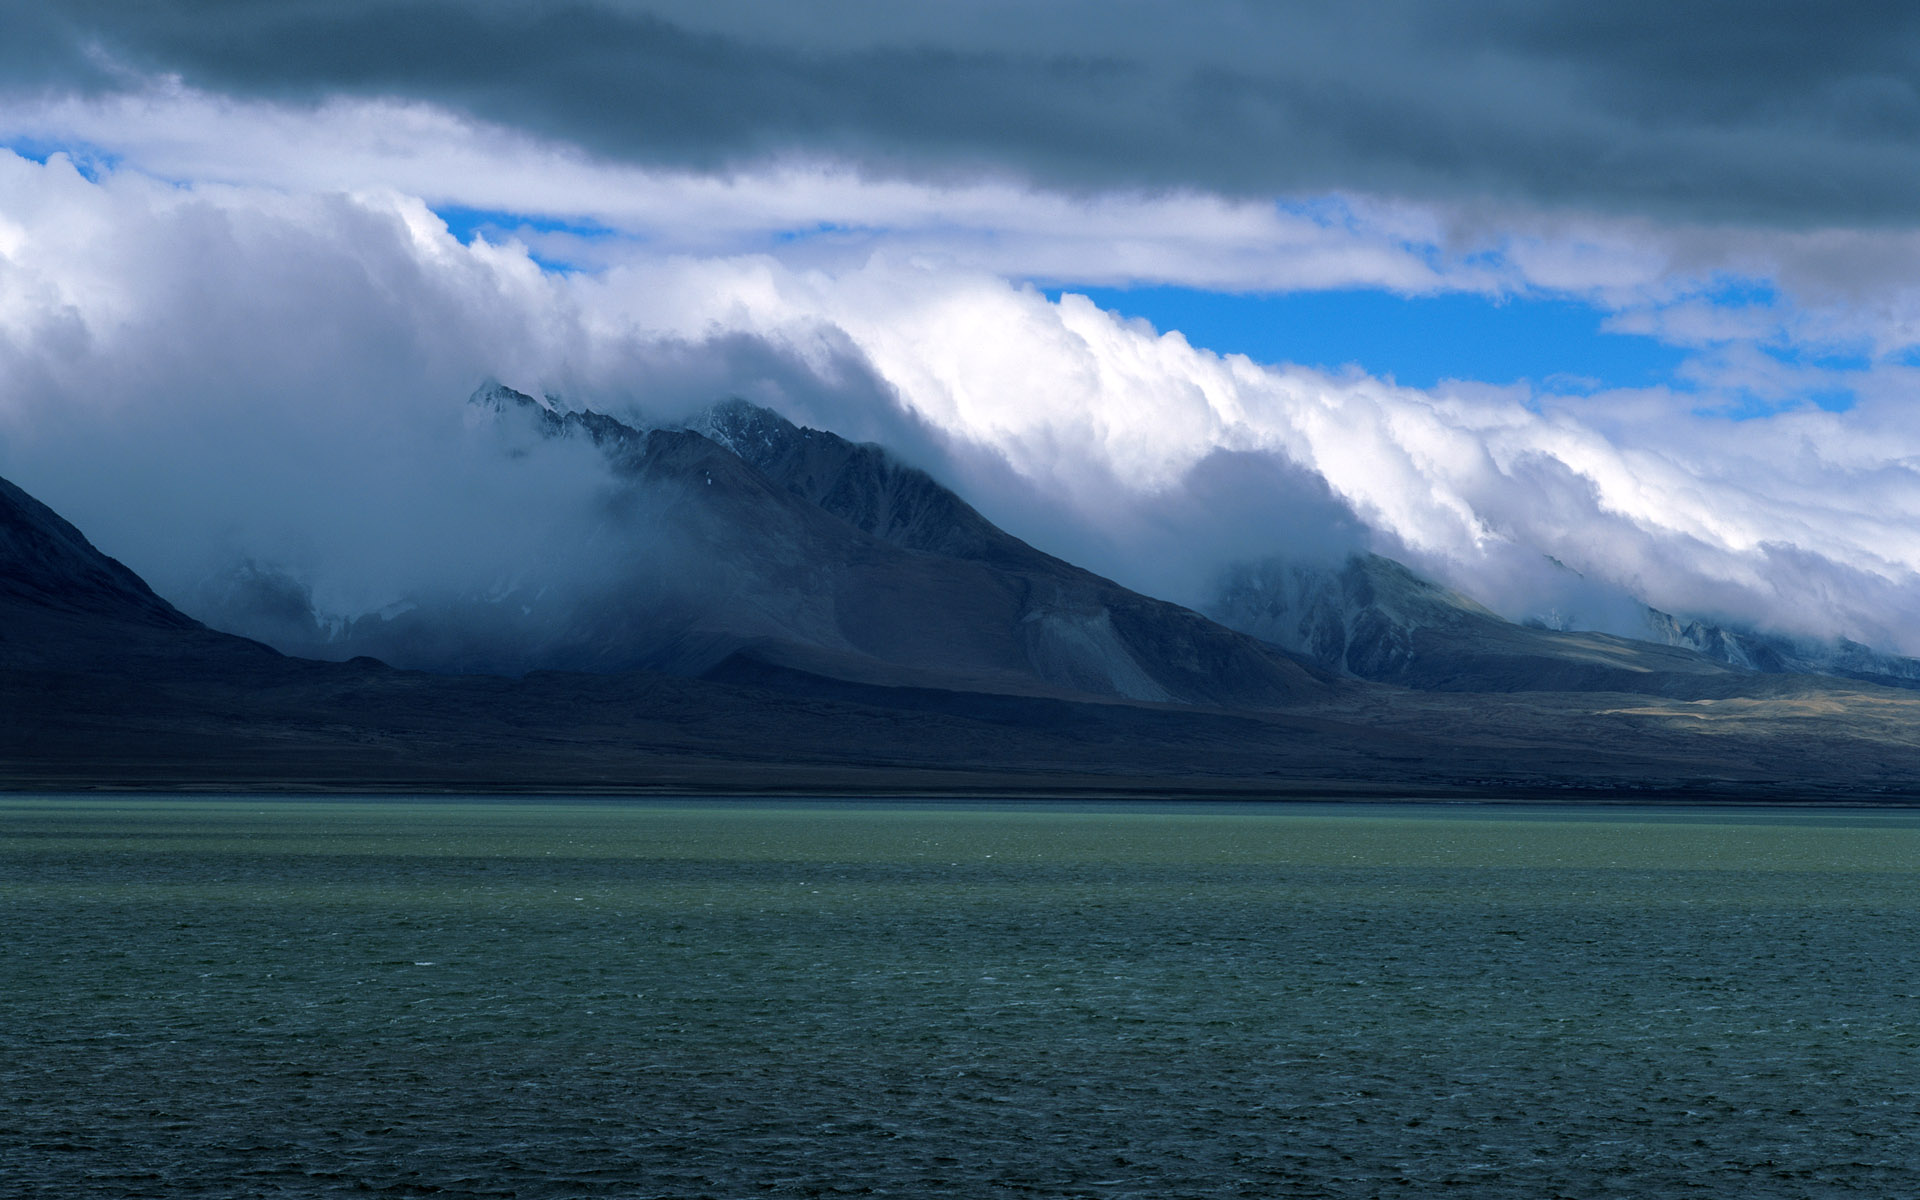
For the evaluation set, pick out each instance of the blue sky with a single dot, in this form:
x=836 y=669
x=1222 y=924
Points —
x=1419 y=341
x=464 y=223
x=547 y=237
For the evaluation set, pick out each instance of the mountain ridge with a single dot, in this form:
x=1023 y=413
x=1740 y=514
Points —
x=816 y=553
x=1774 y=653
x=1373 y=618
x=46 y=561
x=97 y=693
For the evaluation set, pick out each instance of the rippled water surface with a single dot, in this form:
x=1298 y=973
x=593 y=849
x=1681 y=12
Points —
x=261 y=997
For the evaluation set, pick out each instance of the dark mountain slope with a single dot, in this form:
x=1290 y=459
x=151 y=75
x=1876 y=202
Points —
x=870 y=489
x=47 y=563
x=865 y=486
x=69 y=612
x=102 y=683
x=833 y=559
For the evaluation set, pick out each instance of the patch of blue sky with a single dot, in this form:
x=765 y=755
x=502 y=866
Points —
x=1833 y=400
x=464 y=223
x=1742 y=291
x=821 y=230
x=88 y=159
x=1835 y=394
x=1742 y=404
x=1739 y=297
x=1819 y=360
x=544 y=235
x=1813 y=378
x=1418 y=341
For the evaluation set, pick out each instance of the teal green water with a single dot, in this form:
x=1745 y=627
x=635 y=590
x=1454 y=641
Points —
x=259 y=997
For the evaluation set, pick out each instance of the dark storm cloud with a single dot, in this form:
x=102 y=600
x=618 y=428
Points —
x=1783 y=112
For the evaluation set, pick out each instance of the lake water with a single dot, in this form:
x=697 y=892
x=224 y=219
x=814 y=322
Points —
x=267 y=997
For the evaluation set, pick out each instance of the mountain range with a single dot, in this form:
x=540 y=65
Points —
x=844 y=622
x=793 y=549
x=1372 y=618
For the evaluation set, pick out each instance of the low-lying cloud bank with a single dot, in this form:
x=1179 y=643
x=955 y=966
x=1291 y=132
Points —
x=219 y=377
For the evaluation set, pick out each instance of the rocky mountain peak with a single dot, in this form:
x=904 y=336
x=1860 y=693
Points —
x=754 y=433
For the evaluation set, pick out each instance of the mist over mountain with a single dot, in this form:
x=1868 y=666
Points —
x=1759 y=650
x=745 y=542
x=727 y=539
x=102 y=681
x=1156 y=291
x=104 y=684
x=213 y=377
x=1373 y=618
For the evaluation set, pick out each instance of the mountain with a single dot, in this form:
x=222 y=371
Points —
x=1774 y=653
x=1372 y=618
x=1064 y=607
x=48 y=567
x=104 y=685
x=753 y=550
x=65 y=606
x=867 y=487
x=89 y=654
x=741 y=546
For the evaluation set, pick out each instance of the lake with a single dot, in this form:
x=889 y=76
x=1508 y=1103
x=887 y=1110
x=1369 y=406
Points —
x=255 y=996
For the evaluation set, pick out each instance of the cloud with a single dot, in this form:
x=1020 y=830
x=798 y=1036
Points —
x=809 y=212
x=192 y=377
x=1109 y=422
x=1773 y=113
x=257 y=401
x=232 y=326
x=1799 y=294
x=205 y=376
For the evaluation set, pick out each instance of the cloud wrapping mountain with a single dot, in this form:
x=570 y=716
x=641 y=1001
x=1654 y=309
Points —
x=210 y=376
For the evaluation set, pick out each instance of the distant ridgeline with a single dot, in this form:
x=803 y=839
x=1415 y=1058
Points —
x=1372 y=618
x=742 y=546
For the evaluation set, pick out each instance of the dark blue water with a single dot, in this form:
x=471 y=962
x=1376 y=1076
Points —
x=266 y=997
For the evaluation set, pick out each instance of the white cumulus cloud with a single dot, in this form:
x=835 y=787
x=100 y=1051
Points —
x=274 y=370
